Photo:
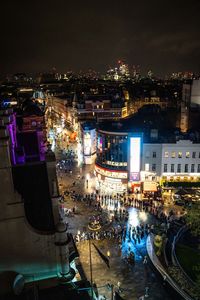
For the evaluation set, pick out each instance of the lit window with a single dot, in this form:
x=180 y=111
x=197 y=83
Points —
x=173 y=154
x=180 y=155
x=166 y=154
x=147 y=167
x=187 y=154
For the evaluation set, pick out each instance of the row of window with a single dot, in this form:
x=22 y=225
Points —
x=180 y=154
x=179 y=168
x=175 y=154
x=172 y=168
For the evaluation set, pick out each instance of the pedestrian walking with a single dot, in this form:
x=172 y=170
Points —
x=145 y=260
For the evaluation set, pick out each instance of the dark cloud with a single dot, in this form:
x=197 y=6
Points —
x=161 y=35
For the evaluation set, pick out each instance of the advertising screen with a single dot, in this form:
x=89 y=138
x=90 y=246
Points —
x=135 y=148
x=87 y=143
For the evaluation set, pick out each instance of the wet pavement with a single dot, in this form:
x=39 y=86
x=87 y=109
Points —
x=135 y=280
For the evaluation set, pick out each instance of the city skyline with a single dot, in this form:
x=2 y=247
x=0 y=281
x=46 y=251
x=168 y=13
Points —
x=163 y=37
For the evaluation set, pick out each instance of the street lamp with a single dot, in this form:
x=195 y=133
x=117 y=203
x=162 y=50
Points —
x=87 y=180
x=108 y=254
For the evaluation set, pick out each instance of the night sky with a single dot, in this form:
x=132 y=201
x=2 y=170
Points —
x=160 y=35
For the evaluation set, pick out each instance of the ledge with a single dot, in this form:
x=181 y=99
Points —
x=157 y=264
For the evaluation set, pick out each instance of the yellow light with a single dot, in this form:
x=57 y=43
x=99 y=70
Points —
x=108 y=253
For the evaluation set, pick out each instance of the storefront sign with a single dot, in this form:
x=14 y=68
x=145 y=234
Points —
x=112 y=174
x=149 y=186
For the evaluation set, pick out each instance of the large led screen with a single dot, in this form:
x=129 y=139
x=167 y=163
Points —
x=135 y=148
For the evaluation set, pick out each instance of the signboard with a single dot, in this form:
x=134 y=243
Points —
x=134 y=159
x=89 y=142
x=149 y=186
x=112 y=174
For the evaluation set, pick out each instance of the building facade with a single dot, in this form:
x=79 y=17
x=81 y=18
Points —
x=134 y=159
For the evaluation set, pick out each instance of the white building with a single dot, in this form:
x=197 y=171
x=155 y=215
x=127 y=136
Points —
x=195 y=93
x=178 y=161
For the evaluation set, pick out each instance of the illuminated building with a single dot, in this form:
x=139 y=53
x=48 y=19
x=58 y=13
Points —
x=88 y=138
x=121 y=72
x=195 y=94
x=144 y=150
x=98 y=108
x=34 y=242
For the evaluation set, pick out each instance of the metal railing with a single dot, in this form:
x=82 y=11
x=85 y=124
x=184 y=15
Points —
x=175 y=260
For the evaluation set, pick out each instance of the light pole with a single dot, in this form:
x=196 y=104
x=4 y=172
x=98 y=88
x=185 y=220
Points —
x=87 y=180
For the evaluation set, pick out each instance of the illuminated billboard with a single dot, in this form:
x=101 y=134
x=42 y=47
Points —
x=149 y=186
x=87 y=143
x=134 y=159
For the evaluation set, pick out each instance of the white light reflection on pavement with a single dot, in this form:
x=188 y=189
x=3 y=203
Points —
x=139 y=248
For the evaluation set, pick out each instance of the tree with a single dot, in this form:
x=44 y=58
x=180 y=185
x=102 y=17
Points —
x=193 y=219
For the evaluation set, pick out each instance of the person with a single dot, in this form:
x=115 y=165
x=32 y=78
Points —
x=145 y=260
x=131 y=257
x=146 y=292
x=164 y=279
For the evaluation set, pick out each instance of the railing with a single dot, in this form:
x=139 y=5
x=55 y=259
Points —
x=175 y=260
x=166 y=277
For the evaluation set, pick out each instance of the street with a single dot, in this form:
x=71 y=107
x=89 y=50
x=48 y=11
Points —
x=77 y=187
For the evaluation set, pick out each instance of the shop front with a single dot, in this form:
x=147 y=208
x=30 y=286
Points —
x=110 y=181
x=185 y=181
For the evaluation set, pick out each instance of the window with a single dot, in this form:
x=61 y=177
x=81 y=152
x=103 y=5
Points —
x=153 y=167
x=165 y=168
x=198 y=168
x=186 y=168
x=147 y=167
x=166 y=154
x=172 y=168
x=192 y=168
x=173 y=154
x=187 y=154
x=147 y=154
x=180 y=155
x=179 y=168
x=199 y=154
x=154 y=154
x=193 y=154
